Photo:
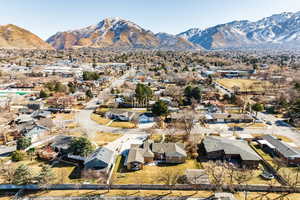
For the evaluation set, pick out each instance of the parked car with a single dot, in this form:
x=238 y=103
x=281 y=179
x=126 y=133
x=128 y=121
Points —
x=281 y=123
x=267 y=176
x=269 y=123
x=236 y=128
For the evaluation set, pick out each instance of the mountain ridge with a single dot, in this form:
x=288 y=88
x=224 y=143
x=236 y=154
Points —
x=278 y=29
x=116 y=33
x=15 y=37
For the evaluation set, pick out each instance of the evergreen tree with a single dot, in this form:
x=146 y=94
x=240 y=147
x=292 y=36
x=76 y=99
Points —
x=46 y=175
x=160 y=108
x=23 y=143
x=81 y=146
x=258 y=107
x=17 y=156
x=22 y=175
x=43 y=94
x=89 y=94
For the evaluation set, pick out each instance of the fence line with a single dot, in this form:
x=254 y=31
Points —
x=198 y=187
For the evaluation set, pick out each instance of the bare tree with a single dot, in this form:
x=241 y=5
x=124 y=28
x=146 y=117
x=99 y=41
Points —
x=8 y=172
x=169 y=177
x=188 y=121
x=242 y=175
x=217 y=174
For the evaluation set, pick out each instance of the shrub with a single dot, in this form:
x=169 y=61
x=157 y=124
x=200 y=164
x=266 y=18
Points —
x=18 y=156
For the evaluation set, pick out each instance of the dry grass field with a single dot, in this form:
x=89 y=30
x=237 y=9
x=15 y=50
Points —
x=103 y=138
x=150 y=174
x=244 y=85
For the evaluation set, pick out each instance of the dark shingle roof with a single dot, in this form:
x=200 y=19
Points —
x=135 y=155
x=104 y=154
x=231 y=147
x=169 y=148
x=62 y=142
x=284 y=149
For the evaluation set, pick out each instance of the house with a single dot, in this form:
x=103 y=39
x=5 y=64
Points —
x=120 y=115
x=227 y=118
x=61 y=144
x=100 y=160
x=278 y=148
x=35 y=132
x=146 y=118
x=172 y=153
x=46 y=122
x=61 y=101
x=41 y=114
x=218 y=148
x=135 y=159
x=21 y=119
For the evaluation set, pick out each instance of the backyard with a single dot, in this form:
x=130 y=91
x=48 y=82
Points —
x=64 y=172
x=150 y=174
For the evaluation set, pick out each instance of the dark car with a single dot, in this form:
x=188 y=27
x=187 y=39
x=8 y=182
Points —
x=236 y=128
x=281 y=123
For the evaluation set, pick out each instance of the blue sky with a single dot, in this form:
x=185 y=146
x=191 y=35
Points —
x=46 y=17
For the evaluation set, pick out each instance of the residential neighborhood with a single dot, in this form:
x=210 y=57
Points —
x=116 y=111
x=119 y=123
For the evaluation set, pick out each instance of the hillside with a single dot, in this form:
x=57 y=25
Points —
x=12 y=36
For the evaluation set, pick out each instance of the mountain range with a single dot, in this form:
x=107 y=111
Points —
x=279 y=30
x=118 y=33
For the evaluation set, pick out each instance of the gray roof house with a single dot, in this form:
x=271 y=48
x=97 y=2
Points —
x=169 y=149
x=41 y=114
x=24 y=119
x=46 y=122
x=135 y=159
x=166 y=152
x=61 y=143
x=34 y=131
x=223 y=148
x=120 y=115
x=290 y=154
x=100 y=160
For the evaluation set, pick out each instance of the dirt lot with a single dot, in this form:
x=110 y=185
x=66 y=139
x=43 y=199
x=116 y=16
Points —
x=243 y=84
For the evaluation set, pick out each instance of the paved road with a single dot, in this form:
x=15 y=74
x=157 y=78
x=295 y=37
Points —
x=83 y=116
